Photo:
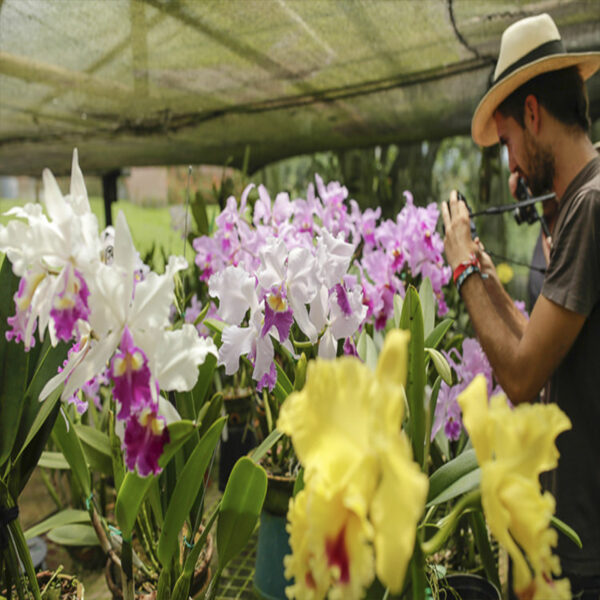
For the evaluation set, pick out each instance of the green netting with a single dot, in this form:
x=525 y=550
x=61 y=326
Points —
x=141 y=82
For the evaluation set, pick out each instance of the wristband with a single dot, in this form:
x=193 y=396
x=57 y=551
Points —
x=468 y=271
x=473 y=261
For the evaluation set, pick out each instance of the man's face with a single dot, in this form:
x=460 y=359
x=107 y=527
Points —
x=526 y=155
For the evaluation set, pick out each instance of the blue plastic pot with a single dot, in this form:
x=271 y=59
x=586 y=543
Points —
x=273 y=545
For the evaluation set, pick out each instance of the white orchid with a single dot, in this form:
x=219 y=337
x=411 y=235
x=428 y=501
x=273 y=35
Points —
x=119 y=304
x=53 y=253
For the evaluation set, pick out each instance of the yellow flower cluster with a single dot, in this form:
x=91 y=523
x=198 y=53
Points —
x=513 y=446
x=357 y=514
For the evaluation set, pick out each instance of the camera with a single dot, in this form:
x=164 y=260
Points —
x=471 y=223
x=525 y=214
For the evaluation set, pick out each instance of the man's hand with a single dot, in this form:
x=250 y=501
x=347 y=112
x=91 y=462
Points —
x=458 y=244
x=486 y=263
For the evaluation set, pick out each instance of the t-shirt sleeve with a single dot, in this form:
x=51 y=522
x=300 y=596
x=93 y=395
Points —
x=573 y=275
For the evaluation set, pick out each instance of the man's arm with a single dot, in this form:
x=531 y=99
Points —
x=522 y=364
x=503 y=303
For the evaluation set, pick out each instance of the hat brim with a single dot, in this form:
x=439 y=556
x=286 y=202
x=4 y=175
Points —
x=483 y=126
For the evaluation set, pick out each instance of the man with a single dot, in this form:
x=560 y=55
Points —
x=537 y=107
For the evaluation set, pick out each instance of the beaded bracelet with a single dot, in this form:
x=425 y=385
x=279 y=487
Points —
x=465 y=274
x=473 y=260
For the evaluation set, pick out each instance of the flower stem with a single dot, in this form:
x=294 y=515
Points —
x=437 y=541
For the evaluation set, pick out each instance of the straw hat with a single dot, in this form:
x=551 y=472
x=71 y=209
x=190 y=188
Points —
x=528 y=48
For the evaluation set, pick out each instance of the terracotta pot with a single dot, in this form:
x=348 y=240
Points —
x=147 y=589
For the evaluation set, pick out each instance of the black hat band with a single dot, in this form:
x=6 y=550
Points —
x=547 y=49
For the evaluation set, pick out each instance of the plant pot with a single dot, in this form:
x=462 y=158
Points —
x=238 y=436
x=146 y=590
x=236 y=441
x=465 y=586
x=56 y=585
x=273 y=540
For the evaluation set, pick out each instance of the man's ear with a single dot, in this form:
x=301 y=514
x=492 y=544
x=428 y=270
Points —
x=532 y=115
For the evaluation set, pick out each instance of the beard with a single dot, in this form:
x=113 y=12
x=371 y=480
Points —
x=540 y=166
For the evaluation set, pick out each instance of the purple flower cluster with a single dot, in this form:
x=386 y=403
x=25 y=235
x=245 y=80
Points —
x=392 y=253
x=447 y=411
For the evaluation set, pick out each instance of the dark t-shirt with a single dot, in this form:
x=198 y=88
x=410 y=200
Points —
x=573 y=281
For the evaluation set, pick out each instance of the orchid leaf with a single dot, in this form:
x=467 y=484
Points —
x=412 y=319
x=283 y=379
x=438 y=333
x=240 y=508
x=69 y=516
x=65 y=436
x=427 y=299
x=459 y=487
x=53 y=460
x=96 y=446
x=13 y=366
x=367 y=350
x=484 y=546
x=76 y=534
x=398 y=303
x=134 y=488
x=258 y=453
x=186 y=490
x=453 y=470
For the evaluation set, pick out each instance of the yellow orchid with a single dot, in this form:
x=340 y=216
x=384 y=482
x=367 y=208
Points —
x=513 y=446
x=363 y=493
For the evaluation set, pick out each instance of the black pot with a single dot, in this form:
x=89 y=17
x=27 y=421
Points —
x=239 y=441
x=465 y=586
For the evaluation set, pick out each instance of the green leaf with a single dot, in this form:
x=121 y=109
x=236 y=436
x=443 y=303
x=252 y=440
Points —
x=240 y=508
x=412 y=319
x=366 y=349
x=209 y=413
x=258 y=453
x=205 y=377
x=186 y=490
x=53 y=460
x=566 y=530
x=134 y=488
x=198 y=207
x=66 y=437
x=96 y=446
x=438 y=333
x=283 y=379
x=427 y=299
x=13 y=380
x=398 y=302
x=461 y=486
x=215 y=325
x=441 y=365
x=116 y=453
x=74 y=535
x=484 y=546
x=64 y=517
x=453 y=470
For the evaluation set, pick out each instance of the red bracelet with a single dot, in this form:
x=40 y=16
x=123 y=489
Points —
x=464 y=265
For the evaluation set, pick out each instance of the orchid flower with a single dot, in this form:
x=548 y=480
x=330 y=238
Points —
x=236 y=291
x=52 y=253
x=358 y=512
x=513 y=446
x=134 y=315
